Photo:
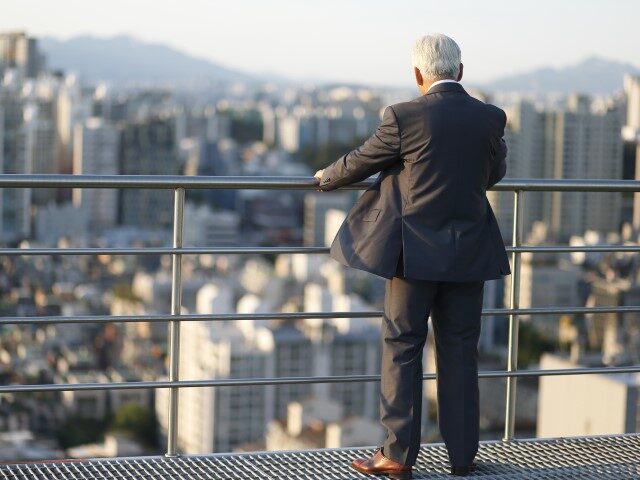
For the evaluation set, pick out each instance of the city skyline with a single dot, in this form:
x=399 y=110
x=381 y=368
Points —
x=249 y=38
x=87 y=278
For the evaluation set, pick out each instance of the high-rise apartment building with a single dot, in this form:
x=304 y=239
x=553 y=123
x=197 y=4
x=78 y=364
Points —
x=631 y=137
x=14 y=221
x=223 y=418
x=95 y=152
x=583 y=144
x=632 y=92
x=147 y=147
x=73 y=106
x=38 y=147
x=524 y=136
x=30 y=150
x=575 y=142
x=218 y=419
x=19 y=51
x=316 y=206
x=205 y=227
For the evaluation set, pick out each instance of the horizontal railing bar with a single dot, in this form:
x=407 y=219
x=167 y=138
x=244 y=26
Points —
x=161 y=250
x=574 y=248
x=281 y=182
x=220 y=317
x=244 y=382
x=567 y=185
x=277 y=250
x=165 y=182
x=224 y=317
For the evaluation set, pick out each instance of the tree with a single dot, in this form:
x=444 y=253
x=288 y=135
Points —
x=77 y=430
x=532 y=345
x=138 y=421
x=319 y=157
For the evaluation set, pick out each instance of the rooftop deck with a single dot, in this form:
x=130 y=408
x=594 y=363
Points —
x=598 y=458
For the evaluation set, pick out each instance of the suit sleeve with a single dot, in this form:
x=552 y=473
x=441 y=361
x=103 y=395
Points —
x=378 y=152
x=499 y=153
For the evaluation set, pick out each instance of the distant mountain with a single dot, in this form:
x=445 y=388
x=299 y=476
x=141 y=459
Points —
x=124 y=59
x=593 y=75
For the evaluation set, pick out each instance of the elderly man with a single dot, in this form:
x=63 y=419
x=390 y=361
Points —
x=426 y=226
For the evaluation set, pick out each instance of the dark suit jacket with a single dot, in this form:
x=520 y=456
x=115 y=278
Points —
x=437 y=155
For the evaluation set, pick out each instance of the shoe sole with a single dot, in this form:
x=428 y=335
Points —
x=393 y=475
x=400 y=476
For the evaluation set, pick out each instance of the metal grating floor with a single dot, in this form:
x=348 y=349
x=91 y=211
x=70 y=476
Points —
x=598 y=458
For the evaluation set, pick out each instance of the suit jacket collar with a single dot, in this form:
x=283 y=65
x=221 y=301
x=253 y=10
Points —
x=446 y=87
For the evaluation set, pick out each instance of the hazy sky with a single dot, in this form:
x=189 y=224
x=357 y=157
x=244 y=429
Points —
x=364 y=41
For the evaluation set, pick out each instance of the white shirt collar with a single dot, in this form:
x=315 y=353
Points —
x=446 y=80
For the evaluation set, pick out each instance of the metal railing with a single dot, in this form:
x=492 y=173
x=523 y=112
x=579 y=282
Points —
x=181 y=183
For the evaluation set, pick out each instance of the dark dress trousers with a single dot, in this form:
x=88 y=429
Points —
x=427 y=227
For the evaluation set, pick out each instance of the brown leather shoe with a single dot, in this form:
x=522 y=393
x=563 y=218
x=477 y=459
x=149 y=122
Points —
x=378 y=464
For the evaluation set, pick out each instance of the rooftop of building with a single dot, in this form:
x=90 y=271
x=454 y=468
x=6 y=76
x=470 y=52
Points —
x=597 y=457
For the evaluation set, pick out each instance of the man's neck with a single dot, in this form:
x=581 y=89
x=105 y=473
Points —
x=437 y=82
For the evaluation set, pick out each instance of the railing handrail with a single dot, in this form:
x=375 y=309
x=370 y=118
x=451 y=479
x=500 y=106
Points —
x=20 y=180
x=179 y=184
x=233 y=317
x=32 y=251
x=244 y=382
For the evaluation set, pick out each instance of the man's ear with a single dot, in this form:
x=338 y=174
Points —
x=418 y=74
x=460 y=73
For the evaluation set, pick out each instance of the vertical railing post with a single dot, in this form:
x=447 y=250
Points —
x=174 y=325
x=514 y=302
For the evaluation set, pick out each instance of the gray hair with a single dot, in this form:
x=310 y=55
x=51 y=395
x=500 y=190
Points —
x=436 y=56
